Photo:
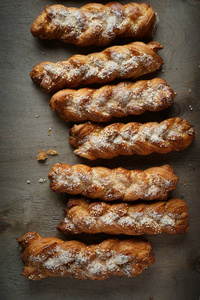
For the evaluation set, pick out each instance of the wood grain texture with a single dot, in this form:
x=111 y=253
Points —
x=33 y=207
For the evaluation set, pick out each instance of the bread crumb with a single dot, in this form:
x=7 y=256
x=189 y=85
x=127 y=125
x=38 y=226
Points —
x=52 y=152
x=48 y=132
x=42 y=155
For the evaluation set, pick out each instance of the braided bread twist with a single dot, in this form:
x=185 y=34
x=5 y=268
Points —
x=50 y=256
x=110 y=101
x=129 y=61
x=106 y=184
x=94 y=23
x=95 y=141
x=124 y=218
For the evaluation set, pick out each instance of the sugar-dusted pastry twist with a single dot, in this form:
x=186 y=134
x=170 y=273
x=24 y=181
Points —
x=101 y=105
x=94 y=141
x=50 y=256
x=129 y=61
x=106 y=184
x=124 y=218
x=94 y=23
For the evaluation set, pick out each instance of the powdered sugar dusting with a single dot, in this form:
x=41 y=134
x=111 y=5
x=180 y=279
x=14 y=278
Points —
x=74 y=24
x=135 y=138
x=112 y=184
x=97 y=67
x=128 y=222
x=167 y=221
x=79 y=263
x=124 y=99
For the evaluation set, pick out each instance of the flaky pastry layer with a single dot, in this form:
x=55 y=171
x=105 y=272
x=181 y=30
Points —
x=107 y=102
x=50 y=256
x=94 y=141
x=129 y=61
x=106 y=184
x=123 y=218
x=94 y=23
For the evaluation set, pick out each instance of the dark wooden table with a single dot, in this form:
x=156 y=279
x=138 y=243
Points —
x=33 y=207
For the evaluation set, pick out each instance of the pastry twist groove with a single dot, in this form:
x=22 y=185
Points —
x=123 y=218
x=107 y=102
x=129 y=61
x=50 y=256
x=106 y=184
x=94 y=23
x=94 y=141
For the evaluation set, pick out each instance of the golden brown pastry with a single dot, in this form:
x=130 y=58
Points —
x=94 y=141
x=123 y=218
x=129 y=61
x=106 y=184
x=50 y=256
x=94 y=23
x=101 y=105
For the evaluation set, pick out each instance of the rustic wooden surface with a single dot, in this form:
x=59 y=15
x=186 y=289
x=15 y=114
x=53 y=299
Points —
x=33 y=207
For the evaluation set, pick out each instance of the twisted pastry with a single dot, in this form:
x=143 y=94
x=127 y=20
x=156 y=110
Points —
x=129 y=61
x=94 y=23
x=110 y=101
x=105 y=184
x=50 y=256
x=123 y=218
x=95 y=141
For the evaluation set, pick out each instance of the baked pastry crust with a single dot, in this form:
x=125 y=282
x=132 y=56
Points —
x=107 y=102
x=106 y=184
x=50 y=256
x=123 y=218
x=129 y=61
x=94 y=141
x=94 y=23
